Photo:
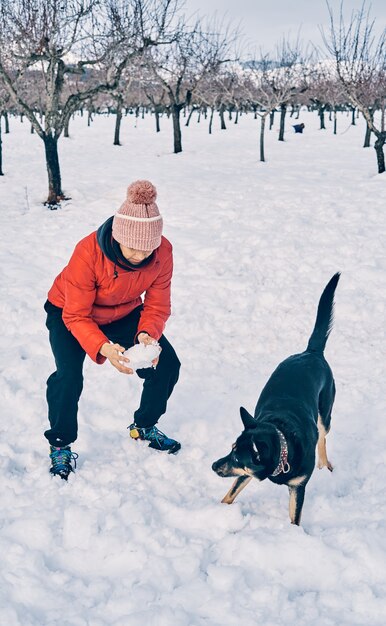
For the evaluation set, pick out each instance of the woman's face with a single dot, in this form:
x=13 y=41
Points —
x=134 y=256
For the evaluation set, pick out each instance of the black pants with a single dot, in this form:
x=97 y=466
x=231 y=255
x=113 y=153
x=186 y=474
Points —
x=65 y=385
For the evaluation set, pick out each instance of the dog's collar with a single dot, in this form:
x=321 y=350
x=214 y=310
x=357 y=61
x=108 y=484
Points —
x=283 y=467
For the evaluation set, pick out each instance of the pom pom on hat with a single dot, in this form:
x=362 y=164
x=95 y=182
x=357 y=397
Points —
x=138 y=223
x=141 y=192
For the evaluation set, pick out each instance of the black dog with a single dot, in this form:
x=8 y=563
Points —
x=292 y=416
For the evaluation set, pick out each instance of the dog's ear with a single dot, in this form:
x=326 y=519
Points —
x=247 y=419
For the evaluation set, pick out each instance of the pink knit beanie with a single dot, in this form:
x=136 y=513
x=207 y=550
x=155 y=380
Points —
x=138 y=223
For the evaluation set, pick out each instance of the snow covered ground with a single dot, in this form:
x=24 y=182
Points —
x=138 y=537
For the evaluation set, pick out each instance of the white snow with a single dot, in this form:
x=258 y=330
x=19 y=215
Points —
x=138 y=537
x=141 y=355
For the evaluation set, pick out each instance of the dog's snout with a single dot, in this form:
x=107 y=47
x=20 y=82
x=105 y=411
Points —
x=219 y=468
x=223 y=467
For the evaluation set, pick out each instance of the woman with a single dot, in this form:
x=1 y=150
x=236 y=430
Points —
x=95 y=307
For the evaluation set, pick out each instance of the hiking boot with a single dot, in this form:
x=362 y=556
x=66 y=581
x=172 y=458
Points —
x=61 y=461
x=157 y=439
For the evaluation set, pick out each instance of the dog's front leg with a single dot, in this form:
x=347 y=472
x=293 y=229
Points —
x=296 y=503
x=238 y=485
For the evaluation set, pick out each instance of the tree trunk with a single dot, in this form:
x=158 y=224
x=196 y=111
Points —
x=378 y=145
x=118 y=119
x=157 y=125
x=262 y=129
x=283 y=111
x=176 y=110
x=211 y=121
x=335 y=122
x=192 y=110
x=271 y=119
x=237 y=117
x=321 y=116
x=353 y=117
x=6 y=119
x=89 y=117
x=222 y=118
x=55 y=193
x=1 y=152
x=32 y=130
x=66 y=126
x=366 y=143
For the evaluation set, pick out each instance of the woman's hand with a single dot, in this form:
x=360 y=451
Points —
x=113 y=352
x=147 y=340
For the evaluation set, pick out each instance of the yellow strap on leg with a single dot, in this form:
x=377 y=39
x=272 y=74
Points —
x=134 y=433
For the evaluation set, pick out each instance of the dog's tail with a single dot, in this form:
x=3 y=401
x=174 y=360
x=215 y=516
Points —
x=324 y=317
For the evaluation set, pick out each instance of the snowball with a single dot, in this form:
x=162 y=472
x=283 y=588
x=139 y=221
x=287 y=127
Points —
x=142 y=355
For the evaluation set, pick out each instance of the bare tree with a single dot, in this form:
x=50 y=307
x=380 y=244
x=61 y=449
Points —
x=360 y=61
x=149 y=91
x=325 y=93
x=65 y=40
x=120 y=97
x=288 y=73
x=157 y=98
x=217 y=91
x=262 y=94
x=196 y=53
x=273 y=83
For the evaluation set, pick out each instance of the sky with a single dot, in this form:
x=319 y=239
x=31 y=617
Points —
x=264 y=23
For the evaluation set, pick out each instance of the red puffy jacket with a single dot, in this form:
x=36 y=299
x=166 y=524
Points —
x=91 y=290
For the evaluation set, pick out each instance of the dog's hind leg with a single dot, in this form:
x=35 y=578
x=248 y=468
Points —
x=326 y=401
x=322 y=450
x=296 y=500
x=238 y=485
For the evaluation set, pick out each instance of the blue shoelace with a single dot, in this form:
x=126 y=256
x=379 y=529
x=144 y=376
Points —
x=61 y=459
x=157 y=435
